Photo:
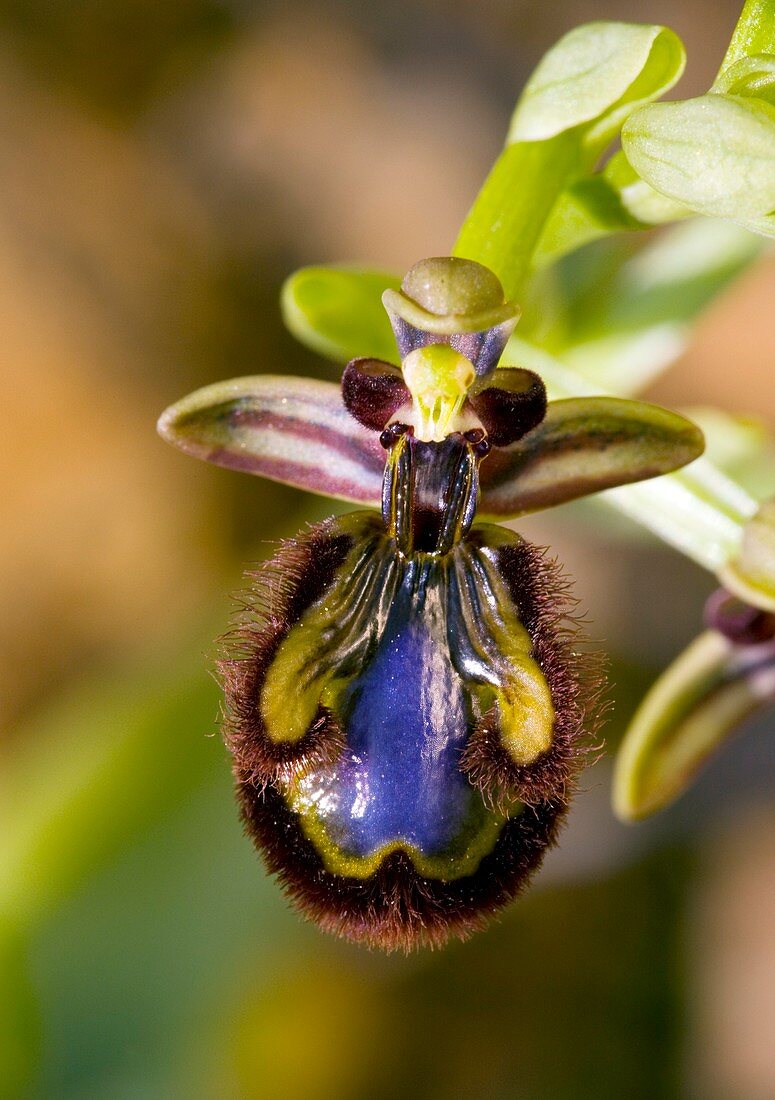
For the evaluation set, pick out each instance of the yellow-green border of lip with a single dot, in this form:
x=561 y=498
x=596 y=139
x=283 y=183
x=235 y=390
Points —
x=448 y=324
x=443 y=867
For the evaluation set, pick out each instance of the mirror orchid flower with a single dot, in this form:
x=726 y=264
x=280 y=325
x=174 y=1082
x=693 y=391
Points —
x=407 y=701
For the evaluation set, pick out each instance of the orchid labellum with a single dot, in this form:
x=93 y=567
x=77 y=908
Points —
x=407 y=701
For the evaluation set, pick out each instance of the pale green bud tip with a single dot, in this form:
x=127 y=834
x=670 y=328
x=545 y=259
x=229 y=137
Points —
x=751 y=575
x=447 y=295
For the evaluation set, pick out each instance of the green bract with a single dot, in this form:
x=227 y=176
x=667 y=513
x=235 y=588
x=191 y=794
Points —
x=594 y=77
x=715 y=155
x=751 y=573
x=752 y=76
x=571 y=109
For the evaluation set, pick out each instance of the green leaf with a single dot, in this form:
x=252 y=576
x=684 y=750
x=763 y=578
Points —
x=638 y=199
x=585 y=445
x=597 y=74
x=751 y=573
x=625 y=328
x=687 y=715
x=504 y=225
x=338 y=312
x=293 y=430
x=572 y=107
x=588 y=209
x=699 y=511
x=615 y=200
x=626 y=316
x=715 y=154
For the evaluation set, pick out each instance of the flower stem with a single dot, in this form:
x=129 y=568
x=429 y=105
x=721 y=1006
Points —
x=503 y=227
x=754 y=33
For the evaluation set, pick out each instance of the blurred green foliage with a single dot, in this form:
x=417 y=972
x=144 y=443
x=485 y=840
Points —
x=143 y=953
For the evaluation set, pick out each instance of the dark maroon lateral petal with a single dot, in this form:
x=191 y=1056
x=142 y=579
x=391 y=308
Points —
x=510 y=402
x=373 y=391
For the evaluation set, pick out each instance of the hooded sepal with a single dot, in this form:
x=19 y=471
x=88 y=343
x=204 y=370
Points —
x=454 y=301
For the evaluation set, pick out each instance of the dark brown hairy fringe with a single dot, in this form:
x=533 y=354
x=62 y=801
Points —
x=395 y=909
x=278 y=594
x=575 y=675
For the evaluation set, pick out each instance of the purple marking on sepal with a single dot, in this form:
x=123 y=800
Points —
x=294 y=430
x=585 y=445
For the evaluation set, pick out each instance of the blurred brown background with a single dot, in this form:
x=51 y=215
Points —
x=162 y=169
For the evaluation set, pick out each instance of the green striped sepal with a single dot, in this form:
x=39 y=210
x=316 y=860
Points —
x=582 y=446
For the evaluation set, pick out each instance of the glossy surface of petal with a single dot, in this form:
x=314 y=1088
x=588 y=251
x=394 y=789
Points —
x=386 y=711
x=399 y=783
x=406 y=653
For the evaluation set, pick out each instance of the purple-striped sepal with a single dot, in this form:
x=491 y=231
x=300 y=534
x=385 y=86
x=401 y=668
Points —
x=301 y=432
x=294 y=430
